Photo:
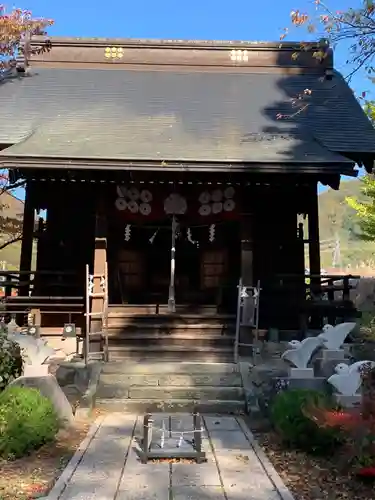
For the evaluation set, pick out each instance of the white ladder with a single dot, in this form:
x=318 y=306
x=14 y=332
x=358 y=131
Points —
x=247 y=315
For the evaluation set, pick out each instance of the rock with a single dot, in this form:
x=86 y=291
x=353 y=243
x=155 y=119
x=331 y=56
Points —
x=48 y=386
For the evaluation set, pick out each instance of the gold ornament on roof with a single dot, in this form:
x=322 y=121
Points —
x=113 y=52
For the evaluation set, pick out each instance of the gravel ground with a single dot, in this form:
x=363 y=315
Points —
x=313 y=478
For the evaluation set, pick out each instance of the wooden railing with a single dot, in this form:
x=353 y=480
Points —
x=317 y=298
x=50 y=309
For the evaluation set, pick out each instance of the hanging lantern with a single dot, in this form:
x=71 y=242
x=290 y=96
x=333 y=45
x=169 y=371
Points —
x=133 y=194
x=133 y=207
x=145 y=208
x=217 y=208
x=127 y=232
x=145 y=196
x=204 y=210
x=121 y=191
x=217 y=195
x=211 y=233
x=229 y=192
x=204 y=197
x=229 y=205
x=121 y=204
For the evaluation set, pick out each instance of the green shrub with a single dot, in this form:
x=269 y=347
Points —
x=27 y=421
x=11 y=362
x=296 y=429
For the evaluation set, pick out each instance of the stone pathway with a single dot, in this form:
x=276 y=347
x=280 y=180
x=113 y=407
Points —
x=107 y=467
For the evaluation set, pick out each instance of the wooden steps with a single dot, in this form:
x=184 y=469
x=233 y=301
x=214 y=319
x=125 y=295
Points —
x=197 y=335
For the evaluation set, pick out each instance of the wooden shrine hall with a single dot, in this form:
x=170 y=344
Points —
x=178 y=168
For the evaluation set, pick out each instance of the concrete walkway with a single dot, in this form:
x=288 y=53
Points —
x=107 y=467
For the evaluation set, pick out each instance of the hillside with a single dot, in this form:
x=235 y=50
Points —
x=336 y=218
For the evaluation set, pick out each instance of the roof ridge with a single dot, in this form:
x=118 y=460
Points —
x=181 y=43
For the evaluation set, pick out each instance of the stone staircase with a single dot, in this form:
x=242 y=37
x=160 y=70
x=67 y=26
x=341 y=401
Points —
x=147 y=332
x=139 y=387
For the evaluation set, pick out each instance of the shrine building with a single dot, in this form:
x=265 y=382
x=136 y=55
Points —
x=180 y=167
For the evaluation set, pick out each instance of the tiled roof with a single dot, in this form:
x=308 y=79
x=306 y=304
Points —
x=182 y=114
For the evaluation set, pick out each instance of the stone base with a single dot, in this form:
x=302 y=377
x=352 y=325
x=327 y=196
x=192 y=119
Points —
x=315 y=383
x=301 y=373
x=326 y=368
x=333 y=354
x=348 y=401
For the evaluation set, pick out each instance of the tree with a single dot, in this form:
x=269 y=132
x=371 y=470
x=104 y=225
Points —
x=354 y=28
x=365 y=210
x=16 y=29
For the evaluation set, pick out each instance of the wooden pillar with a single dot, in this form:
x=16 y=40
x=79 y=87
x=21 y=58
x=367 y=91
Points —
x=314 y=239
x=247 y=272
x=314 y=250
x=27 y=239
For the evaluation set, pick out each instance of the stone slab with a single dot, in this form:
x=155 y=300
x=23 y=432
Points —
x=111 y=469
x=205 y=474
x=316 y=383
x=117 y=425
x=197 y=493
x=190 y=393
x=68 y=472
x=260 y=493
x=326 y=368
x=220 y=423
x=129 y=380
x=228 y=442
x=348 y=401
x=162 y=368
x=227 y=380
x=301 y=373
x=336 y=354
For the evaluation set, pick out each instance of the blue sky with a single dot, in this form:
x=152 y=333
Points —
x=194 y=19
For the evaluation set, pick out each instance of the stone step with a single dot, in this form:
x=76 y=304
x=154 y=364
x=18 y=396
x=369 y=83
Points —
x=141 y=406
x=170 y=353
x=166 y=341
x=118 y=390
x=185 y=334
x=178 y=368
x=172 y=379
x=173 y=326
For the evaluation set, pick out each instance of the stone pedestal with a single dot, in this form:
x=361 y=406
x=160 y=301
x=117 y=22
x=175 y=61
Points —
x=333 y=354
x=301 y=373
x=314 y=383
x=348 y=401
x=326 y=368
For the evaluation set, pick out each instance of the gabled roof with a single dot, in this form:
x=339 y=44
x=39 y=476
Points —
x=163 y=103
